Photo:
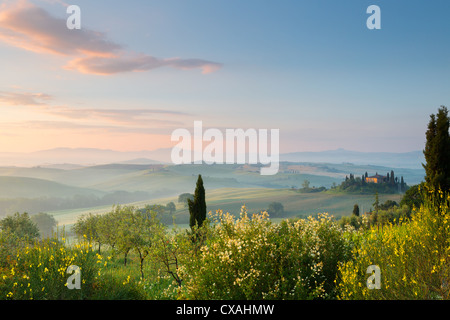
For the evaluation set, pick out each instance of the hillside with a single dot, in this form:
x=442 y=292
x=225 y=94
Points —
x=410 y=160
x=107 y=184
x=255 y=199
x=92 y=156
x=21 y=187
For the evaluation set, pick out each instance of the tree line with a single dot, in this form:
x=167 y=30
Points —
x=390 y=184
x=437 y=180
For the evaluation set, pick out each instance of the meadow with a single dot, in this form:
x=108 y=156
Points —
x=70 y=187
x=255 y=199
x=241 y=253
x=240 y=257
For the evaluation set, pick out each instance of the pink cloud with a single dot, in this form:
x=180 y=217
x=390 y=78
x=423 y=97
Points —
x=136 y=63
x=134 y=117
x=19 y=98
x=29 y=27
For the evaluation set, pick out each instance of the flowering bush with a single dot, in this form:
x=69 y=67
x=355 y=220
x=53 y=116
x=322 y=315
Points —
x=414 y=258
x=39 y=271
x=252 y=258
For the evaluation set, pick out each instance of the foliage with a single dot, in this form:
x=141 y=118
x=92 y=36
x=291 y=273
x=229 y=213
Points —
x=197 y=206
x=353 y=184
x=390 y=214
x=16 y=231
x=275 y=209
x=45 y=223
x=388 y=204
x=376 y=204
x=87 y=227
x=245 y=257
x=123 y=229
x=163 y=213
x=437 y=151
x=171 y=207
x=183 y=198
x=248 y=257
x=355 y=222
x=356 y=210
x=252 y=258
x=20 y=225
x=39 y=271
x=413 y=197
x=306 y=189
x=414 y=258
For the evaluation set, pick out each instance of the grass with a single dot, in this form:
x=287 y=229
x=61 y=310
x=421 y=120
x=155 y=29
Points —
x=16 y=187
x=256 y=199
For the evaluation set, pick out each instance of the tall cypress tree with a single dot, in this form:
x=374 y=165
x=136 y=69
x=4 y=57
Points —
x=356 y=210
x=437 y=151
x=376 y=204
x=392 y=178
x=197 y=207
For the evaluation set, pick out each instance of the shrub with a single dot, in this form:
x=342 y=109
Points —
x=252 y=258
x=275 y=209
x=414 y=258
x=39 y=271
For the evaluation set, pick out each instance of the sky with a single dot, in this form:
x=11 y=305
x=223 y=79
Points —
x=137 y=70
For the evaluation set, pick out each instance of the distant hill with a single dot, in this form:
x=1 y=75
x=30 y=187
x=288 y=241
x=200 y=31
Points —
x=92 y=156
x=410 y=160
x=171 y=179
x=140 y=161
x=114 y=183
x=81 y=156
x=21 y=187
x=62 y=166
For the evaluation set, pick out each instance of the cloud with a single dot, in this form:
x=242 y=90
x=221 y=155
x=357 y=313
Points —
x=29 y=27
x=42 y=103
x=26 y=26
x=78 y=127
x=136 y=63
x=134 y=117
x=24 y=99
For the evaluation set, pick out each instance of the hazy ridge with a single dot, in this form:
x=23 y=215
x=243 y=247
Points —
x=106 y=177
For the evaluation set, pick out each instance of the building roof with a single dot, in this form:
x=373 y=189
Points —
x=377 y=176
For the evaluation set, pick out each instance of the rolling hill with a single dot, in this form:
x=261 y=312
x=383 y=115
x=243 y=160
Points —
x=228 y=186
x=92 y=156
x=21 y=187
x=255 y=199
x=411 y=160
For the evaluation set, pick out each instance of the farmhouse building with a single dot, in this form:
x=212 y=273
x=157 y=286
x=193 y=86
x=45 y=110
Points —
x=376 y=179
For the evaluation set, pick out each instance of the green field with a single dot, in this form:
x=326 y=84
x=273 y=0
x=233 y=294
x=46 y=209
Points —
x=70 y=192
x=16 y=187
x=255 y=199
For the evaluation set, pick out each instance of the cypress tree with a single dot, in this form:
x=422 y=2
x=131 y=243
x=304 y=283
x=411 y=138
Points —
x=376 y=204
x=437 y=152
x=197 y=207
x=356 y=210
x=392 y=179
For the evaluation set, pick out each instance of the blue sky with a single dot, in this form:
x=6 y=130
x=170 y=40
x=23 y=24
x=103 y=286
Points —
x=309 y=68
